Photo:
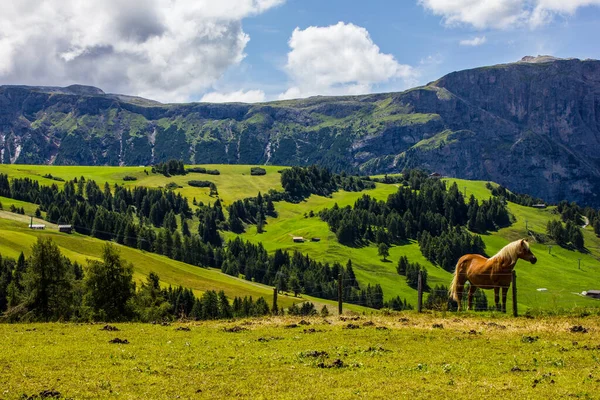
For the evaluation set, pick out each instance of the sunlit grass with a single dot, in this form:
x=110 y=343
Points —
x=399 y=356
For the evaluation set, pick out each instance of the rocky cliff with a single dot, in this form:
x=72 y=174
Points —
x=533 y=126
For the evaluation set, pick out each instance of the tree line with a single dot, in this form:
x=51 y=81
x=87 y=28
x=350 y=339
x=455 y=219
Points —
x=300 y=182
x=517 y=198
x=146 y=219
x=410 y=211
x=297 y=273
x=47 y=286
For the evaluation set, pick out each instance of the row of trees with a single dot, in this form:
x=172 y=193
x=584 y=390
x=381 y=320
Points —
x=251 y=210
x=48 y=287
x=566 y=235
x=297 y=273
x=433 y=215
x=125 y=215
x=411 y=272
x=300 y=182
x=445 y=250
x=408 y=213
x=171 y=167
x=518 y=198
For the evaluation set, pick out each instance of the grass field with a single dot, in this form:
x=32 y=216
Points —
x=561 y=273
x=384 y=357
x=16 y=237
x=234 y=182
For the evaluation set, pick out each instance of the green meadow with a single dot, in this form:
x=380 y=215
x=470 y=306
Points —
x=554 y=283
x=403 y=355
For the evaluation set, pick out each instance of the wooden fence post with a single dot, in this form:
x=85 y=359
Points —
x=340 y=294
x=275 y=309
x=514 y=293
x=420 y=292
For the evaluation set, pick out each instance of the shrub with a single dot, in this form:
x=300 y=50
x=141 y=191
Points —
x=258 y=171
x=200 y=184
x=129 y=178
x=172 y=186
x=202 y=170
x=54 y=178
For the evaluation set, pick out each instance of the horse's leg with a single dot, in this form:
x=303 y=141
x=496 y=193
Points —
x=460 y=288
x=497 y=297
x=504 y=292
x=472 y=290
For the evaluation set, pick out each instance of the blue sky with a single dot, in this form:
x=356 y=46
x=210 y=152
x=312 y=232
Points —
x=412 y=34
x=260 y=50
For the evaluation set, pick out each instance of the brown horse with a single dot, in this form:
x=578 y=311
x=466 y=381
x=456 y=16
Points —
x=489 y=273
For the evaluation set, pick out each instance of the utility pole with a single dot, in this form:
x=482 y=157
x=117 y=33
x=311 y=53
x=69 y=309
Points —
x=31 y=222
x=579 y=263
x=465 y=192
x=526 y=225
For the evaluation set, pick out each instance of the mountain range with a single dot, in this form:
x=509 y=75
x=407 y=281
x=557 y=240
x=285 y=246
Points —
x=532 y=126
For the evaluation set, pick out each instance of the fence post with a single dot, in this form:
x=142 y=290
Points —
x=514 y=293
x=420 y=292
x=340 y=294
x=275 y=309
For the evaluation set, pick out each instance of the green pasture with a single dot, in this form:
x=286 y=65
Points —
x=16 y=237
x=379 y=357
x=559 y=271
x=234 y=182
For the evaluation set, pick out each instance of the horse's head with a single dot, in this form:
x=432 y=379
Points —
x=525 y=252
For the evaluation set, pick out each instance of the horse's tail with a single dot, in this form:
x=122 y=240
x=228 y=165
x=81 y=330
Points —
x=454 y=284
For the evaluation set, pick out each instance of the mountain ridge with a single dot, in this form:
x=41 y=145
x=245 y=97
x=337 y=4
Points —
x=533 y=126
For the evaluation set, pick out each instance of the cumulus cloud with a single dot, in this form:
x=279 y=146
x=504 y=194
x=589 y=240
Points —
x=338 y=59
x=250 y=96
x=502 y=14
x=168 y=50
x=476 y=41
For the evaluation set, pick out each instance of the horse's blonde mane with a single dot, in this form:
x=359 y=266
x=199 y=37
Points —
x=510 y=252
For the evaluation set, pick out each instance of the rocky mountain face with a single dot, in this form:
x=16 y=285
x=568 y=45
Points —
x=533 y=126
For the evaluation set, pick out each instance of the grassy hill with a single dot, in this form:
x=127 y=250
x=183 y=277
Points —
x=16 y=237
x=558 y=272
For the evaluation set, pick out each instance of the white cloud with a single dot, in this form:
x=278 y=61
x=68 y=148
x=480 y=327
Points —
x=163 y=49
x=503 y=14
x=476 y=41
x=338 y=59
x=250 y=96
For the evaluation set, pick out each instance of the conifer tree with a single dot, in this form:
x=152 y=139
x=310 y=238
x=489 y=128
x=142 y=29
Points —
x=48 y=282
x=109 y=285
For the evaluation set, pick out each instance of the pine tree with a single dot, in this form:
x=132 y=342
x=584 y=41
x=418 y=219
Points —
x=294 y=285
x=225 y=310
x=185 y=229
x=110 y=285
x=350 y=276
x=402 y=265
x=260 y=222
x=48 y=282
x=170 y=221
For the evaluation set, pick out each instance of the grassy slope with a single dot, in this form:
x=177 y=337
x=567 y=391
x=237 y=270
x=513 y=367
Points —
x=235 y=181
x=16 y=237
x=470 y=357
x=557 y=272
